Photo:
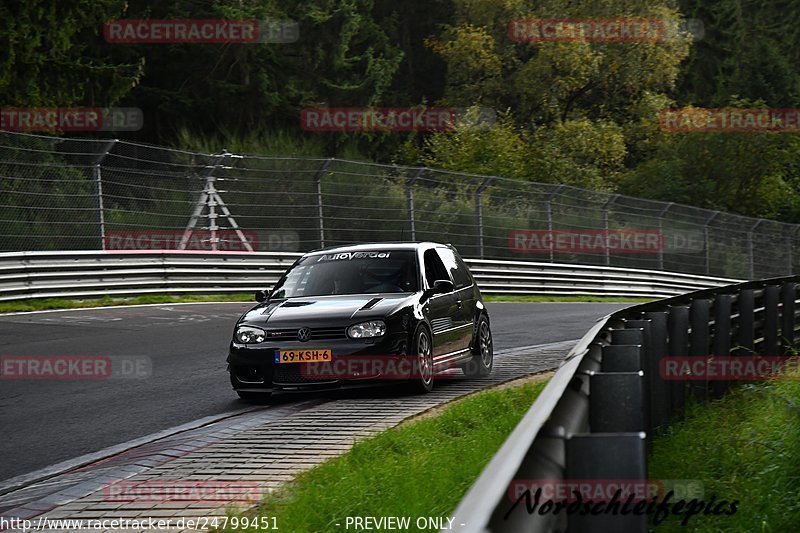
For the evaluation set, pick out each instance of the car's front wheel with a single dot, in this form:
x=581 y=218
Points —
x=482 y=360
x=422 y=372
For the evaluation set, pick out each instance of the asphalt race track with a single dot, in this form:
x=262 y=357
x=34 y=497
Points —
x=47 y=421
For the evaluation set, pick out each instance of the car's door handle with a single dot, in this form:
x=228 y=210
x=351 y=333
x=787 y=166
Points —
x=459 y=303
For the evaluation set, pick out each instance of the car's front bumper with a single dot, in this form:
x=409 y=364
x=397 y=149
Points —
x=253 y=368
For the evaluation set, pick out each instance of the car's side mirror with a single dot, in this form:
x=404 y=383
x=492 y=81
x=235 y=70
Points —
x=262 y=296
x=443 y=286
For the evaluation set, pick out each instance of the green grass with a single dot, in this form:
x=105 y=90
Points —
x=422 y=468
x=36 y=304
x=543 y=298
x=746 y=447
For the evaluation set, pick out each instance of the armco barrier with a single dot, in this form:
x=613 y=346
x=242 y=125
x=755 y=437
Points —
x=87 y=274
x=594 y=419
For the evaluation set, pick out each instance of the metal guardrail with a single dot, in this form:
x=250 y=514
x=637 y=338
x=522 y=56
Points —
x=595 y=417
x=87 y=274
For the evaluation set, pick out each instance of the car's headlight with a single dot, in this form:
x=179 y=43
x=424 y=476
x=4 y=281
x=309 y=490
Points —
x=249 y=335
x=365 y=330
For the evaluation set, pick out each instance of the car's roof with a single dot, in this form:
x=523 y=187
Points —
x=377 y=246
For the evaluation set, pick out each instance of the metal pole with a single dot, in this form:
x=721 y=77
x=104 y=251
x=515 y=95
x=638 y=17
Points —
x=750 y=255
x=318 y=182
x=479 y=212
x=709 y=220
x=98 y=187
x=410 y=202
x=607 y=252
x=661 y=234
x=548 y=209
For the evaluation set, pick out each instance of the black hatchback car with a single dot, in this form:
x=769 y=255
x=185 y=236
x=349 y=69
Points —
x=360 y=314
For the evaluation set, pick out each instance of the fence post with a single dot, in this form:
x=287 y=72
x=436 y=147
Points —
x=661 y=234
x=98 y=190
x=678 y=324
x=723 y=334
x=699 y=317
x=771 y=323
x=706 y=239
x=791 y=248
x=607 y=253
x=606 y=456
x=410 y=201
x=788 y=295
x=750 y=256
x=318 y=184
x=548 y=209
x=479 y=212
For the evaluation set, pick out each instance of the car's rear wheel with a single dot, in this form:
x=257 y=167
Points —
x=422 y=373
x=482 y=360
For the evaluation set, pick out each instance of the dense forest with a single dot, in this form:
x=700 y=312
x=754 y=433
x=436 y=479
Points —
x=584 y=113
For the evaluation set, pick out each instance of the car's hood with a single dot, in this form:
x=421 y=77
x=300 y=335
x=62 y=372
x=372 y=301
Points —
x=325 y=310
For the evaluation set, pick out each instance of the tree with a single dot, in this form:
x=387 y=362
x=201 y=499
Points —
x=53 y=54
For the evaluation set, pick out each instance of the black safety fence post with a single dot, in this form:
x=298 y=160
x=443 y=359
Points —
x=678 y=324
x=745 y=324
x=621 y=358
x=604 y=457
x=699 y=314
x=631 y=336
x=722 y=338
x=660 y=393
x=648 y=368
x=788 y=295
x=616 y=402
x=624 y=352
x=771 y=313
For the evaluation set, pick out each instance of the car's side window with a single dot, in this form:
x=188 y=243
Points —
x=434 y=269
x=463 y=273
x=458 y=271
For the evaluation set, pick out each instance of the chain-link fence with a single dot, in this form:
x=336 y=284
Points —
x=74 y=194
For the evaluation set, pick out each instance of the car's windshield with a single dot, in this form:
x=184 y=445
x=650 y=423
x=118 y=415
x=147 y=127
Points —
x=351 y=273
